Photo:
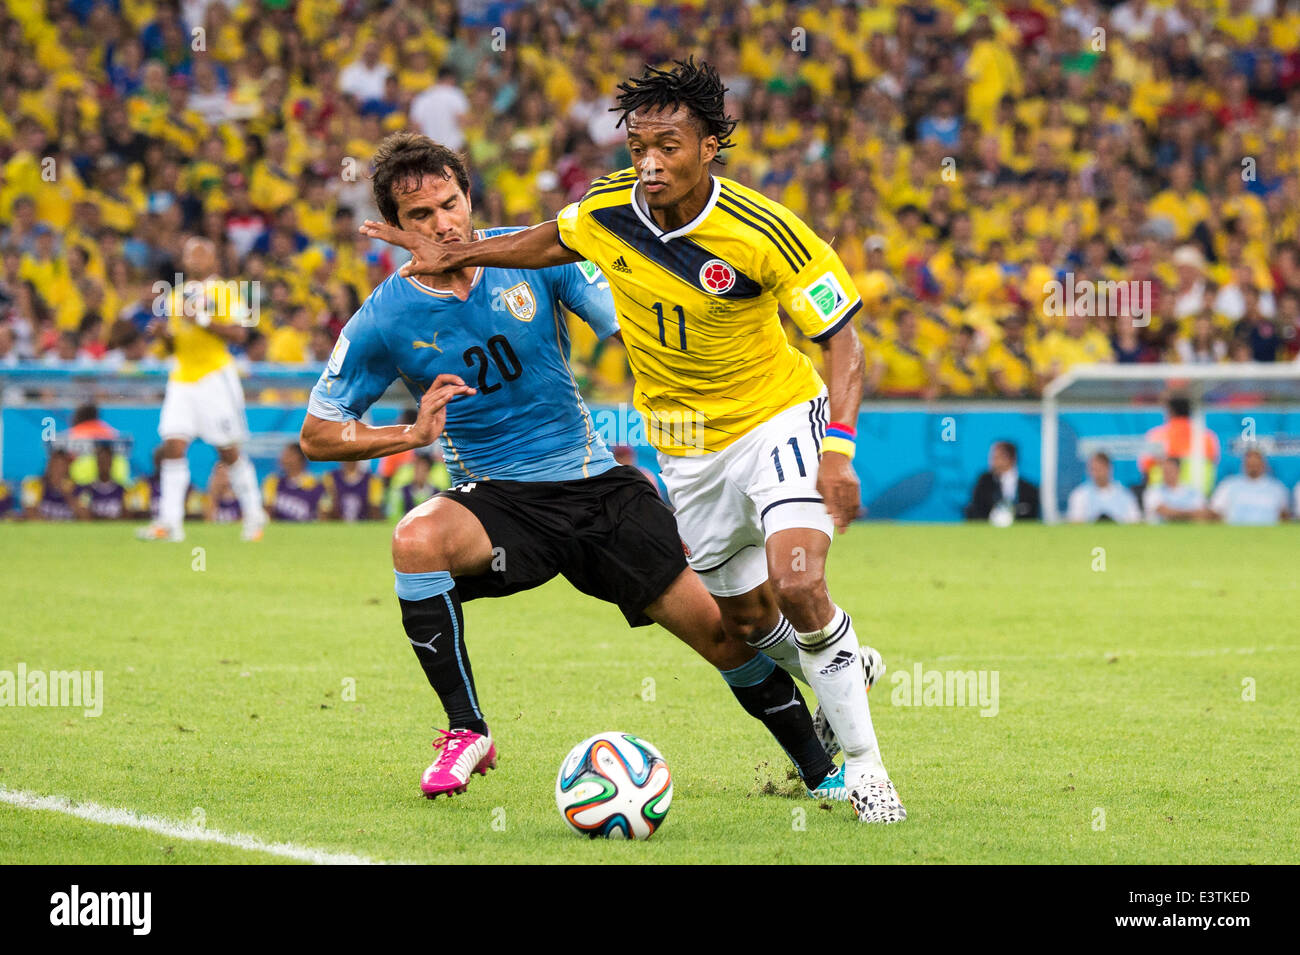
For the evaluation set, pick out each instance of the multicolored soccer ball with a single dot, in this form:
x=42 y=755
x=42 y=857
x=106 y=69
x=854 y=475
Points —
x=614 y=786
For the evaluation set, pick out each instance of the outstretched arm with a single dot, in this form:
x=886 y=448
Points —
x=537 y=247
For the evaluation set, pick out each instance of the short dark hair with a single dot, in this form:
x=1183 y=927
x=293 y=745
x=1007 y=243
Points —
x=1102 y=456
x=1009 y=449
x=403 y=160
x=1180 y=407
x=696 y=86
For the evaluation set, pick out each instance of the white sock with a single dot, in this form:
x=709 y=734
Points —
x=779 y=644
x=175 y=482
x=830 y=661
x=243 y=481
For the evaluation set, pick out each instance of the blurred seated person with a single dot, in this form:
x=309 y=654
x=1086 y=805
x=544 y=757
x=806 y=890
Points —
x=1101 y=497
x=416 y=488
x=51 y=496
x=220 y=504
x=1252 y=497
x=1002 y=491
x=291 y=494
x=1172 y=499
x=104 y=497
x=353 y=493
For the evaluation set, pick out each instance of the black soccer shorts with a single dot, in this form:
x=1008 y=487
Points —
x=611 y=536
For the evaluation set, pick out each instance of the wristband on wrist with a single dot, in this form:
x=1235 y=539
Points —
x=839 y=445
x=837 y=429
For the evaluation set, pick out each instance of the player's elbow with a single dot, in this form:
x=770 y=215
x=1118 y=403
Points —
x=314 y=439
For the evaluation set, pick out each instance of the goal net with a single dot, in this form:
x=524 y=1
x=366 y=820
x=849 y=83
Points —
x=1247 y=403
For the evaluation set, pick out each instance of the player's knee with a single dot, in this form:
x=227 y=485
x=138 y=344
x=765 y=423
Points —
x=417 y=547
x=798 y=592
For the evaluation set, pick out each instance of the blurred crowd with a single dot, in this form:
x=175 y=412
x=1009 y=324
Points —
x=980 y=166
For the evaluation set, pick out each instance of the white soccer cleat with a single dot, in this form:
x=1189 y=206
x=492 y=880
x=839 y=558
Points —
x=253 y=529
x=873 y=668
x=159 y=532
x=877 y=802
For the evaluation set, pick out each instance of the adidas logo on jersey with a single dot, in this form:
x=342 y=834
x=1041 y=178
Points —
x=844 y=658
x=620 y=265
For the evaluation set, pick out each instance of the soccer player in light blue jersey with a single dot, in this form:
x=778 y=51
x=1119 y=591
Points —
x=535 y=491
x=1173 y=499
x=1252 y=497
x=1101 y=497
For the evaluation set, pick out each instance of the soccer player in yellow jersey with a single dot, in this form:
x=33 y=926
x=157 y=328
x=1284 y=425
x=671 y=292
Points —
x=751 y=448
x=204 y=398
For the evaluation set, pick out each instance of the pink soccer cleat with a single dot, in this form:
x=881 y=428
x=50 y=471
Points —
x=460 y=753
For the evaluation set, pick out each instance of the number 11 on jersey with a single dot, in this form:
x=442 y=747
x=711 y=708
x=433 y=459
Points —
x=681 y=324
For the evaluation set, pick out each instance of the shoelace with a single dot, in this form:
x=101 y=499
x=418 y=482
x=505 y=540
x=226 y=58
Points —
x=444 y=741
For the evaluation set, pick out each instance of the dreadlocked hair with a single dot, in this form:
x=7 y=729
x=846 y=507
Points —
x=698 y=87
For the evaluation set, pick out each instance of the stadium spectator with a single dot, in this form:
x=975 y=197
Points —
x=104 y=497
x=1101 y=497
x=1251 y=497
x=353 y=493
x=415 y=483
x=1171 y=499
x=220 y=503
x=291 y=494
x=1000 y=493
x=52 y=496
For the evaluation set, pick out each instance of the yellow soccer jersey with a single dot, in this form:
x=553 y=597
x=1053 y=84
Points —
x=698 y=306
x=198 y=350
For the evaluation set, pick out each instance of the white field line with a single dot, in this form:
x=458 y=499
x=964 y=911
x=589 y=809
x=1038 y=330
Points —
x=1105 y=654
x=105 y=815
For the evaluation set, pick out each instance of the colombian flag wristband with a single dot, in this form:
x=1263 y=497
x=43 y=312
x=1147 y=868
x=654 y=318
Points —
x=839 y=445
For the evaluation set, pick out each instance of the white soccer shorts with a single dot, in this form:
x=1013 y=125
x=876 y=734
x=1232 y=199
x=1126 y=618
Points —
x=729 y=502
x=211 y=409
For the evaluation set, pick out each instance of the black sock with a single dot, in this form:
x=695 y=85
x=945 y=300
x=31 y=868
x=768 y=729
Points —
x=436 y=628
x=773 y=700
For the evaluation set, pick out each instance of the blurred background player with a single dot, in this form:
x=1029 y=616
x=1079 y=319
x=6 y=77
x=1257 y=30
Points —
x=353 y=493
x=1001 y=488
x=760 y=473
x=291 y=493
x=1251 y=497
x=1101 y=497
x=1171 y=498
x=204 y=398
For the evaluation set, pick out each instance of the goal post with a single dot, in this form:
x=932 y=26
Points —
x=1145 y=387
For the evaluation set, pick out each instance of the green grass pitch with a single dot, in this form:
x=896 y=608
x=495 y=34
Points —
x=1147 y=712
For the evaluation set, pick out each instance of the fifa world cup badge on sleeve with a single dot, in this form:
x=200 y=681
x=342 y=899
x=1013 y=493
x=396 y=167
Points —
x=826 y=296
x=338 y=354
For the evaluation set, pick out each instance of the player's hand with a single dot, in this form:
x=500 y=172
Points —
x=427 y=257
x=432 y=416
x=838 y=485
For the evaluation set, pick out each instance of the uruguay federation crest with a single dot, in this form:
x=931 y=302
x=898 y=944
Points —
x=519 y=299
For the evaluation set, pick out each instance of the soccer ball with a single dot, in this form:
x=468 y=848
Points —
x=614 y=785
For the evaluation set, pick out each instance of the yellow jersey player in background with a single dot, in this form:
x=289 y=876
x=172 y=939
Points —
x=204 y=398
x=755 y=452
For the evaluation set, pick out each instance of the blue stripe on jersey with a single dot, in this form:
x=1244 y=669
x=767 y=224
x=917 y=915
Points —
x=509 y=340
x=681 y=256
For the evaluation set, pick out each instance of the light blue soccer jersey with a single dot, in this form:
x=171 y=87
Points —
x=1089 y=503
x=509 y=340
x=1244 y=500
